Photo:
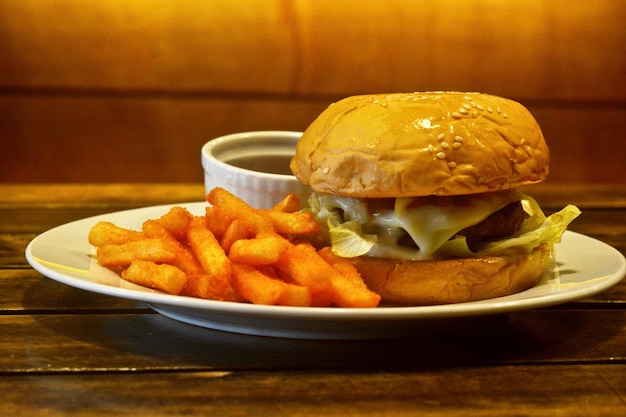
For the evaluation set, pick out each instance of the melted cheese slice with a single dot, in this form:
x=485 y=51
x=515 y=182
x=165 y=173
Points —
x=429 y=225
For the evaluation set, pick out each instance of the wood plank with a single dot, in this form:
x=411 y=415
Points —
x=538 y=51
x=93 y=196
x=153 y=342
x=28 y=209
x=503 y=391
x=66 y=139
x=27 y=291
x=118 y=139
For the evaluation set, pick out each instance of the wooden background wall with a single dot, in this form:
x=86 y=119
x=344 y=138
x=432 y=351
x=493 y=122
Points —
x=129 y=90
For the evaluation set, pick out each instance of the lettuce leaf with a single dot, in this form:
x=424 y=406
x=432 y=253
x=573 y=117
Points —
x=549 y=231
x=343 y=220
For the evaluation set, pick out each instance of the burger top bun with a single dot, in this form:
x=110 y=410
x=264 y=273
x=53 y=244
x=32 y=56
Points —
x=435 y=143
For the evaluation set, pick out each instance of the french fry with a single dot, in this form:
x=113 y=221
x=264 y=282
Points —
x=302 y=267
x=207 y=250
x=177 y=221
x=295 y=296
x=236 y=208
x=210 y=287
x=265 y=249
x=216 y=221
x=106 y=233
x=349 y=290
x=185 y=259
x=255 y=286
x=164 y=277
x=289 y=204
x=154 y=229
x=297 y=223
x=234 y=253
x=236 y=230
x=258 y=288
x=156 y=250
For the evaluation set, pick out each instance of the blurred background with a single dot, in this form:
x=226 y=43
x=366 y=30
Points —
x=129 y=90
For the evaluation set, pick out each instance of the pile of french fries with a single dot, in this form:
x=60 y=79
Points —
x=233 y=253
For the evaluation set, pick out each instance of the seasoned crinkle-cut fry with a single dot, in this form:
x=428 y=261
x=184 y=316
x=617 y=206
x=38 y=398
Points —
x=106 y=233
x=293 y=223
x=289 y=204
x=349 y=290
x=265 y=249
x=207 y=249
x=236 y=208
x=163 y=277
x=156 y=250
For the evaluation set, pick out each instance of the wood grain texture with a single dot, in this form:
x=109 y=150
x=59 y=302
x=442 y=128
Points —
x=129 y=91
x=511 y=391
x=527 y=50
x=136 y=339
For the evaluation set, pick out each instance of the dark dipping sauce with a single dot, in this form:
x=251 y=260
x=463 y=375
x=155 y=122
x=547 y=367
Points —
x=270 y=164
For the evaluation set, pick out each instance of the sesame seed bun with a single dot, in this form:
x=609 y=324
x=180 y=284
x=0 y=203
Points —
x=453 y=280
x=435 y=143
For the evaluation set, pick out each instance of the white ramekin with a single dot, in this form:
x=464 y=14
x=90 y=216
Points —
x=254 y=166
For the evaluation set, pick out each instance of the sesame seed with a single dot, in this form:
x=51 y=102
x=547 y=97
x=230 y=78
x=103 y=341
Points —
x=467 y=106
x=444 y=145
x=463 y=110
x=457 y=145
x=489 y=109
x=456 y=115
x=431 y=148
x=479 y=107
x=441 y=155
x=505 y=115
x=384 y=104
x=441 y=136
x=326 y=170
x=498 y=109
x=458 y=139
x=529 y=150
x=475 y=113
x=523 y=141
x=452 y=164
x=473 y=104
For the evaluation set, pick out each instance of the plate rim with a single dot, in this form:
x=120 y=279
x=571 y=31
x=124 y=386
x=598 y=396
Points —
x=491 y=306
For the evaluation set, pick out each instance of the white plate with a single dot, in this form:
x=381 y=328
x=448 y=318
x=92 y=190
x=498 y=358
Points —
x=584 y=266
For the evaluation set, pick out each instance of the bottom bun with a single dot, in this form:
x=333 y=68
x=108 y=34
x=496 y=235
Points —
x=454 y=280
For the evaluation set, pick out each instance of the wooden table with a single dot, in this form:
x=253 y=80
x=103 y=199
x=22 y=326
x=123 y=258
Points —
x=65 y=351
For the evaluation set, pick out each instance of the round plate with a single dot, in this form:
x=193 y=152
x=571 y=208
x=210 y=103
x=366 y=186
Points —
x=584 y=266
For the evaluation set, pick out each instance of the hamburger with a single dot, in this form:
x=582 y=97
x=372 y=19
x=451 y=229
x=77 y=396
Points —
x=421 y=192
